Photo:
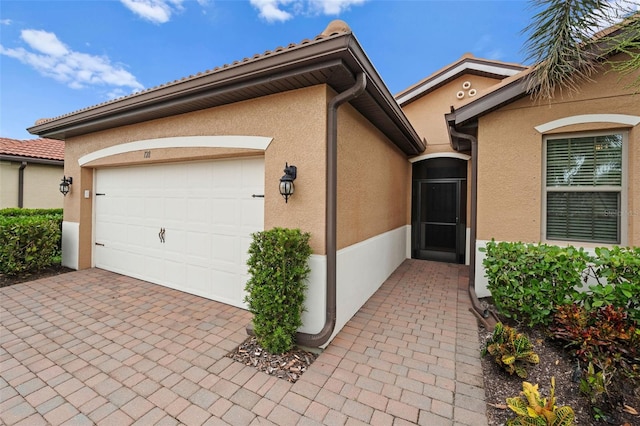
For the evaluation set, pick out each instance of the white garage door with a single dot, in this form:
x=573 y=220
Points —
x=186 y=226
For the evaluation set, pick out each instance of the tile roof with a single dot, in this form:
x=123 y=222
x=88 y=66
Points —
x=334 y=28
x=50 y=149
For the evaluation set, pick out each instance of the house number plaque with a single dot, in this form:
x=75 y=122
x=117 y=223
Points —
x=147 y=154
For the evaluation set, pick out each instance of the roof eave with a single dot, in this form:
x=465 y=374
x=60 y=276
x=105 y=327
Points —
x=325 y=58
x=35 y=160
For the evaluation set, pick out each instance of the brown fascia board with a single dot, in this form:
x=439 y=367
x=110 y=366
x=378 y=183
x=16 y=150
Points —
x=33 y=160
x=332 y=61
x=490 y=102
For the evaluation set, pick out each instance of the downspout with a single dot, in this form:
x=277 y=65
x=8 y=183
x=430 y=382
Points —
x=23 y=165
x=318 y=339
x=483 y=312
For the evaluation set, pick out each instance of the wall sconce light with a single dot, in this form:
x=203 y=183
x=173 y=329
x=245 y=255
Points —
x=65 y=185
x=286 y=181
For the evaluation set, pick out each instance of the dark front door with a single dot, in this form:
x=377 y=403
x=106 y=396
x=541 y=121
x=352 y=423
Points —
x=439 y=211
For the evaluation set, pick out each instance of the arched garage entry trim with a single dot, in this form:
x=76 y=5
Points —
x=228 y=141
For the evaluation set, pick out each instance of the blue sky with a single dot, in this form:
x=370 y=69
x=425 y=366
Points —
x=57 y=57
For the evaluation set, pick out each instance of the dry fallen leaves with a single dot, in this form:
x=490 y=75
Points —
x=288 y=366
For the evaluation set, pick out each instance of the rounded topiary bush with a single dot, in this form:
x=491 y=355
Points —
x=278 y=265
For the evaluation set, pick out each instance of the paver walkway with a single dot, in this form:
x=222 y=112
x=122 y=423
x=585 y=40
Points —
x=94 y=347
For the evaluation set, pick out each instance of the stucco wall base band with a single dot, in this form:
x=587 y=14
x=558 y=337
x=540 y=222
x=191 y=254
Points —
x=70 y=244
x=363 y=267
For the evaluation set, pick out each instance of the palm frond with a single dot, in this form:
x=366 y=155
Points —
x=561 y=43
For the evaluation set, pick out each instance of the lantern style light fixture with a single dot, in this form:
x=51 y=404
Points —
x=286 y=181
x=65 y=185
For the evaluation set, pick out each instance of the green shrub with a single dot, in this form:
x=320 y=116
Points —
x=278 y=265
x=15 y=211
x=620 y=267
x=528 y=280
x=29 y=242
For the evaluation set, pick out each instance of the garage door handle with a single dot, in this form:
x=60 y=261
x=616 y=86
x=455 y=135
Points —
x=161 y=235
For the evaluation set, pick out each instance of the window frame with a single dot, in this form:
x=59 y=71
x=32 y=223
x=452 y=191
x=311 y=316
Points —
x=622 y=189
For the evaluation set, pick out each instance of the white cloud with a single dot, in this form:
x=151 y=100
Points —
x=334 y=7
x=5 y=21
x=52 y=58
x=270 y=10
x=44 y=42
x=283 y=10
x=156 y=11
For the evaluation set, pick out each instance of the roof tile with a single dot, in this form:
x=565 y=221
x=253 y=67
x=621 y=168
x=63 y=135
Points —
x=50 y=149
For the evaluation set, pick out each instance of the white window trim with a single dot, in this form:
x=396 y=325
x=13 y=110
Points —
x=624 y=186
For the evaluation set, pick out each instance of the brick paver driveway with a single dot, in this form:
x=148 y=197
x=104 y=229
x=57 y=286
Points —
x=94 y=347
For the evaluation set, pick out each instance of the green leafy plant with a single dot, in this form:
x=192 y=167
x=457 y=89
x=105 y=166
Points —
x=29 y=239
x=533 y=410
x=527 y=281
x=620 y=267
x=605 y=335
x=511 y=350
x=607 y=342
x=278 y=265
x=594 y=385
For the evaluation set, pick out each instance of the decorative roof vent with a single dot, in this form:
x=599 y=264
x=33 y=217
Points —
x=336 y=26
x=466 y=91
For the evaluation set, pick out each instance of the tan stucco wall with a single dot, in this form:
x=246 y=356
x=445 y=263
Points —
x=374 y=176
x=510 y=157
x=373 y=181
x=426 y=114
x=296 y=122
x=41 y=183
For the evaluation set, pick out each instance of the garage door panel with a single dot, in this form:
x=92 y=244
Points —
x=208 y=215
x=199 y=248
x=227 y=285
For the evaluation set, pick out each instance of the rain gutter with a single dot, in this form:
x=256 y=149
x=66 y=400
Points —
x=320 y=338
x=23 y=165
x=473 y=141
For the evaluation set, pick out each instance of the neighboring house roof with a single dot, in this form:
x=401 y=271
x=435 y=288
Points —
x=36 y=150
x=334 y=57
x=464 y=66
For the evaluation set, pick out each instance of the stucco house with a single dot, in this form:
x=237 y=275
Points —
x=30 y=171
x=169 y=183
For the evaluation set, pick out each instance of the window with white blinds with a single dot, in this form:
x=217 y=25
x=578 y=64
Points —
x=583 y=188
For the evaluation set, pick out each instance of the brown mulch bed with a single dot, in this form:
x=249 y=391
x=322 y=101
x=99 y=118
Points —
x=554 y=362
x=288 y=366
x=7 y=280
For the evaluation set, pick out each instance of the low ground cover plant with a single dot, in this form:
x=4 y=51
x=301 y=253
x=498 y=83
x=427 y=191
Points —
x=278 y=265
x=29 y=239
x=533 y=410
x=511 y=350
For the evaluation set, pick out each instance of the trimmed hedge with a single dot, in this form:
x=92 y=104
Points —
x=528 y=281
x=278 y=265
x=29 y=239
